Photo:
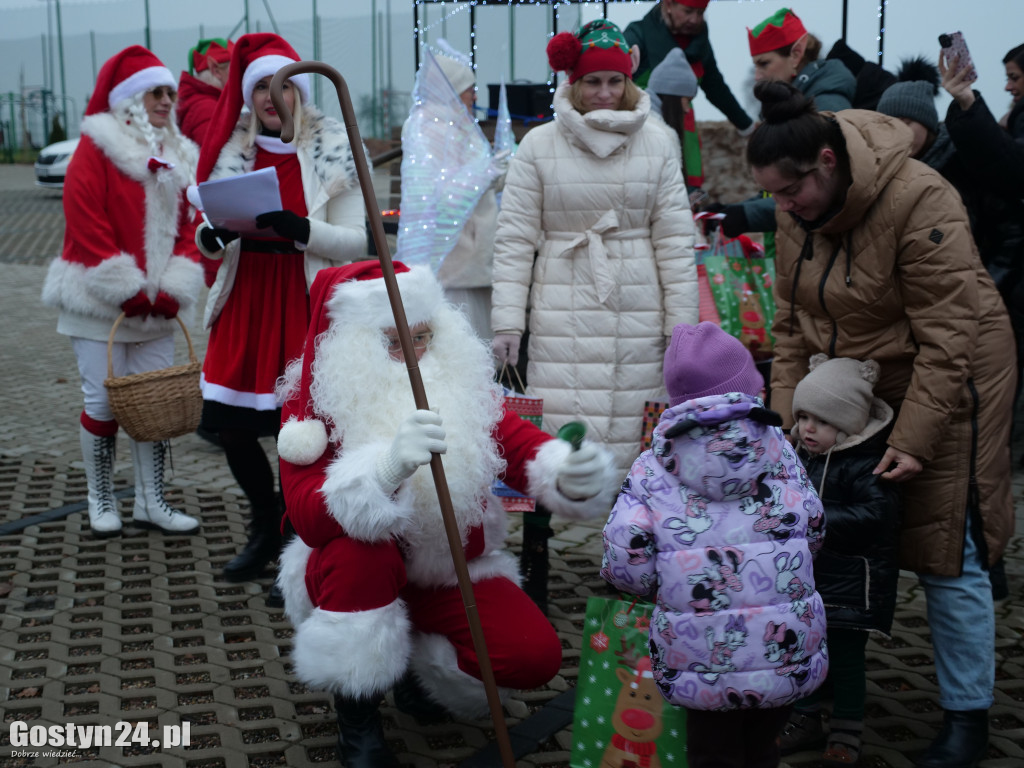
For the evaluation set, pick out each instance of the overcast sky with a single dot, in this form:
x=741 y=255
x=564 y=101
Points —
x=990 y=27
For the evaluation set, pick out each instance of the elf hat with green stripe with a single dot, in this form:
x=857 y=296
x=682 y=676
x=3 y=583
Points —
x=780 y=29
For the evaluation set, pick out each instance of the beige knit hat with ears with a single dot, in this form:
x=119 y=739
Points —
x=839 y=391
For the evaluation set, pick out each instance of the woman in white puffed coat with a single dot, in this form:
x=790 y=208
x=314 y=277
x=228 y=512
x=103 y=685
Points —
x=594 y=195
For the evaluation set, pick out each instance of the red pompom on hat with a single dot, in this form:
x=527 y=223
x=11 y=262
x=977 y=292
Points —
x=125 y=74
x=352 y=295
x=564 y=51
x=254 y=57
x=699 y=4
x=597 y=47
x=780 y=29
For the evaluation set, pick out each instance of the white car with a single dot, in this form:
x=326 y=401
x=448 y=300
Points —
x=52 y=163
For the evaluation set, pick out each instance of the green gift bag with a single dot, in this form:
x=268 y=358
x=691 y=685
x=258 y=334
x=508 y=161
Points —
x=741 y=281
x=620 y=717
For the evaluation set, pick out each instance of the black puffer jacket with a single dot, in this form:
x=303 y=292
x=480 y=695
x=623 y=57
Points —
x=856 y=570
x=988 y=172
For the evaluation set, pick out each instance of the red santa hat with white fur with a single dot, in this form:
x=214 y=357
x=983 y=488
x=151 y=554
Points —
x=354 y=294
x=254 y=57
x=125 y=74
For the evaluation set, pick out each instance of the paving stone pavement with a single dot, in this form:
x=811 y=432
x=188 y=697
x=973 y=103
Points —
x=141 y=629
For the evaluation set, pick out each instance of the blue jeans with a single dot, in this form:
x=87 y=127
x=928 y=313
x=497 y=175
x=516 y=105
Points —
x=963 y=625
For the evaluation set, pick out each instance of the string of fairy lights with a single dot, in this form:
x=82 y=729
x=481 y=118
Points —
x=422 y=29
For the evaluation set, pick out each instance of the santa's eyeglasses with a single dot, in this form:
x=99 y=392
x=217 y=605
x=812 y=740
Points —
x=420 y=341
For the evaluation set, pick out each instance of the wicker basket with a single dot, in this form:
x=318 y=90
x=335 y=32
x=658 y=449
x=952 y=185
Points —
x=156 y=405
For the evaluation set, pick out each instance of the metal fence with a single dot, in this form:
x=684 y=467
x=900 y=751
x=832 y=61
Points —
x=372 y=43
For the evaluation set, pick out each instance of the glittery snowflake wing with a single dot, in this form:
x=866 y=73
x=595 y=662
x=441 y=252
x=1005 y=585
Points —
x=446 y=163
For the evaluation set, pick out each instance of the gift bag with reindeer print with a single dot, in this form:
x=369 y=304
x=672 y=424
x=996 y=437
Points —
x=621 y=719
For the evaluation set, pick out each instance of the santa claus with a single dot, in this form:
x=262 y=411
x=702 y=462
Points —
x=369 y=581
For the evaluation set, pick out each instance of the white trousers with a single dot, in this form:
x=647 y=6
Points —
x=128 y=358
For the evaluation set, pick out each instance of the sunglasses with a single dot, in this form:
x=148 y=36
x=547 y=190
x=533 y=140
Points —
x=163 y=90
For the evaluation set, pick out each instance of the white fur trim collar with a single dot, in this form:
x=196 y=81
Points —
x=129 y=152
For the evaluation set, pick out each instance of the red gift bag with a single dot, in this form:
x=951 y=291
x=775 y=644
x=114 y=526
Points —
x=531 y=409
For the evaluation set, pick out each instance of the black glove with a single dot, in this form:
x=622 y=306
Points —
x=735 y=222
x=285 y=224
x=711 y=225
x=209 y=236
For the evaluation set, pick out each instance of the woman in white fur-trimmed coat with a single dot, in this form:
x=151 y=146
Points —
x=127 y=248
x=258 y=307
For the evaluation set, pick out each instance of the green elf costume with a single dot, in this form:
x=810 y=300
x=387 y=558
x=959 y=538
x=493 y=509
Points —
x=655 y=40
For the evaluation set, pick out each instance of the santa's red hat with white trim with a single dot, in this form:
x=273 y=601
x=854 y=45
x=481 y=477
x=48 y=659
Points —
x=253 y=57
x=125 y=74
x=352 y=295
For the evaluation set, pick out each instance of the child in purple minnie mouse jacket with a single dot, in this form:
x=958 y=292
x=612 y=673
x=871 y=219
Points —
x=718 y=523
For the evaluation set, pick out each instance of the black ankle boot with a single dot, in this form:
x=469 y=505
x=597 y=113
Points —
x=360 y=734
x=412 y=699
x=533 y=563
x=263 y=546
x=962 y=742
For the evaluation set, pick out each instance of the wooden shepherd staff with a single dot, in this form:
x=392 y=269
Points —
x=419 y=395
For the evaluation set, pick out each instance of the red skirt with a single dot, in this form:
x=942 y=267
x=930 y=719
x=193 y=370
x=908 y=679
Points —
x=261 y=328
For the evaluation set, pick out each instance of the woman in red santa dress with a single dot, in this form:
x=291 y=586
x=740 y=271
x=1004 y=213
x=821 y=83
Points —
x=258 y=307
x=369 y=581
x=127 y=248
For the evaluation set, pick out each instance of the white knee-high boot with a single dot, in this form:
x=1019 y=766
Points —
x=151 y=510
x=98 y=455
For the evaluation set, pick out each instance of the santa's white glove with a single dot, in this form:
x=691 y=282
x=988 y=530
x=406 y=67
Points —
x=506 y=347
x=581 y=475
x=419 y=436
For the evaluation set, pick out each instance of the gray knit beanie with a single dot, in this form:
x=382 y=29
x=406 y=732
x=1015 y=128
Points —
x=839 y=391
x=914 y=100
x=673 y=76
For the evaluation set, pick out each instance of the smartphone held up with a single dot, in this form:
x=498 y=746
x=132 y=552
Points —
x=955 y=53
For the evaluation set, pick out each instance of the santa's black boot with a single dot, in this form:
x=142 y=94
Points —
x=533 y=560
x=360 y=734
x=962 y=742
x=263 y=546
x=412 y=699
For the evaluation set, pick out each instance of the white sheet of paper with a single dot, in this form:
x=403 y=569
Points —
x=235 y=202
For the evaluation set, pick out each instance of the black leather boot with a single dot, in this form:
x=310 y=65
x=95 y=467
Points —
x=962 y=742
x=412 y=699
x=533 y=562
x=263 y=546
x=360 y=734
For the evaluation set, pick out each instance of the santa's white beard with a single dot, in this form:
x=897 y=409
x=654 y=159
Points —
x=366 y=395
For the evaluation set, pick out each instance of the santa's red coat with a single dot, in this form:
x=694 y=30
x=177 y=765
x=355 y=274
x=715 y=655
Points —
x=197 y=102
x=127 y=230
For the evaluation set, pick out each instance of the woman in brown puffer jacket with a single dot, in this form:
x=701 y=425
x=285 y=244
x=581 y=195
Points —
x=875 y=259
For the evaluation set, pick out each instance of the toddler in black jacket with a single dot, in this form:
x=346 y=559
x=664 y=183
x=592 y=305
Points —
x=840 y=432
